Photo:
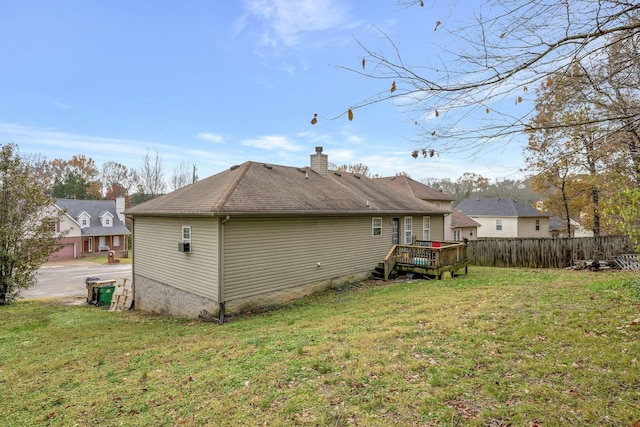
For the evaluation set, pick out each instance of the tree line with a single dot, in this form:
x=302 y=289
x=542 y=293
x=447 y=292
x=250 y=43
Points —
x=81 y=178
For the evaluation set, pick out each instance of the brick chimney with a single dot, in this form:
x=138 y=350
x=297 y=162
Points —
x=320 y=162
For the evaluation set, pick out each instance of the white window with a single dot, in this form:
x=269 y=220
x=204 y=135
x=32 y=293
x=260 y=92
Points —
x=116 y=241
x=457 y=235
x=105 y=219
x=186 y=233
x=537 y=225
x=84 y=220
x=498 y=225
x=185 y=245
x=376 y=226
x=408 y=235
x=426 y=228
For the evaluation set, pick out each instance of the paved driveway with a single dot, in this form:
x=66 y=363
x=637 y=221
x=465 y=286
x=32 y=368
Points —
x=62 y=279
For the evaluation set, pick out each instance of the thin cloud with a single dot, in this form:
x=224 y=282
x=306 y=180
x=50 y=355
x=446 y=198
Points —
x=26 y=136
x=342 y=156
x=272 y=142
x=60 y=105
x=210 y=137
x=286 y=22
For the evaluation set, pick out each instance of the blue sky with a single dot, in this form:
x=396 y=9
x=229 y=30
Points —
x=216 y=83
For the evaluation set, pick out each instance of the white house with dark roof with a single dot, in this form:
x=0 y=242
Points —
x=500 y=217
x=260 y=234
x=92 y=227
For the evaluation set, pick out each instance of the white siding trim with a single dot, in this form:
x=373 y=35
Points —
x=407 y=230
x=426 y=228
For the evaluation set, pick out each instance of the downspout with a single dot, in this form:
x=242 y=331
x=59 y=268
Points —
x=133 y=263
x=221 y=268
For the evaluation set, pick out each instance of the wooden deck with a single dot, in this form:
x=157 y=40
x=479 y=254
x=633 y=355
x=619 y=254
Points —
x=430 y=258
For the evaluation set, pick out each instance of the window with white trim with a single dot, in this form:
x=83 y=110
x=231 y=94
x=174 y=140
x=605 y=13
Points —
x=408 y=235
x=426 y=228
x=186 y=234
x=498 y=225
x=376 y=226
x=116 y=241
x=537 y=225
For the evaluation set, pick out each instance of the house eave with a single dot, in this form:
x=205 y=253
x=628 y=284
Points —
x=297 y=213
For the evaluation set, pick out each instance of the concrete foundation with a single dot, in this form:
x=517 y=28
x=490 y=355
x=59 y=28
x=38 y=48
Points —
x=155 y=297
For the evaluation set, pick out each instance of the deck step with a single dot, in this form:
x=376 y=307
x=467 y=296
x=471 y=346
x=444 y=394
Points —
x=378 y=273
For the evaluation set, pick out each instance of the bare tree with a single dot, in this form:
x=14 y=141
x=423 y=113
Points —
x=358 y=168
x=151 y=182
x=182 y=176
x=474 y=88
x=616 y=87
x=117 y=179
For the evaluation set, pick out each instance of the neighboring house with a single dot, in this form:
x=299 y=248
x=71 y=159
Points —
x=558 y=228
x=500 y=217
x=457 y=226
x=92 y=226
x=259 y=234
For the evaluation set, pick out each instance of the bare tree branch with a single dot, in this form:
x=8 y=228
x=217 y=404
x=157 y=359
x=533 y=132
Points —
x=474 y=97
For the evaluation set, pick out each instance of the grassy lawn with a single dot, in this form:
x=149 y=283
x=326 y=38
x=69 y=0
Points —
x=104 y=259
x=495 y=348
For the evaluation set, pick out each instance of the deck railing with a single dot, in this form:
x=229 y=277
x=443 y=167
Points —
x=428 y=255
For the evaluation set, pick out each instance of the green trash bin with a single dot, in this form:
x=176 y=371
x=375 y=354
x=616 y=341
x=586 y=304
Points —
x=105 y=293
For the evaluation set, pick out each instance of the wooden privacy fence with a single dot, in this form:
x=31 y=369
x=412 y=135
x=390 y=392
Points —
x=546 y=253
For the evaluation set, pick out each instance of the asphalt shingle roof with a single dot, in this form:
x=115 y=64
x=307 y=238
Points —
x=95 y=208
x=252 y=188
x=414 y=188
x=497 y=207
x=460 y=220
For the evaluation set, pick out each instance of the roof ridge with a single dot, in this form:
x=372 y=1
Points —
x=409 y=182
x=231 y=188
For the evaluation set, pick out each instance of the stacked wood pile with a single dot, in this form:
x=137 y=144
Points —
x=593 y=265
x=122 y=298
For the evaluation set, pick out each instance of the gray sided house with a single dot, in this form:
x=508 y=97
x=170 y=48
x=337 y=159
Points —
x=258 y=234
